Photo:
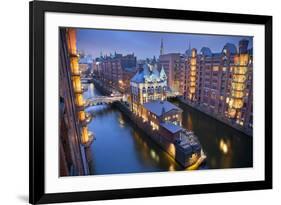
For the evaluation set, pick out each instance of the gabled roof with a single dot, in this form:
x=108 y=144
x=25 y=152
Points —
x=148 y=73
x=162 y=73
x=171 y=127
x=138 y=77
x=159 y=107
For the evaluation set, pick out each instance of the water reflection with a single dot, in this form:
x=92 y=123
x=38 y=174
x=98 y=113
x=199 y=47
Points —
x=224 y=146
x=172 y=168
x=189 y=122
x=91 y=90
x=121 y=121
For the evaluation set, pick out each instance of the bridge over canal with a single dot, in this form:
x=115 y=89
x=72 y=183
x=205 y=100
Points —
x=99 y=100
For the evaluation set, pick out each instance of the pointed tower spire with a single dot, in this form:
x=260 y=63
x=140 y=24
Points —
x=161 y=47
x=188 y=51
x=162 y=74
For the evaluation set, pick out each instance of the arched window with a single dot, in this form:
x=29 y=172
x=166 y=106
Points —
x=159 y=89
x=152 y=89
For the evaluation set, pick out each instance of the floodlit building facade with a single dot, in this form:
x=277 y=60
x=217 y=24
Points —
x=159 y=118
x=86 y=64
x=220 y=84
x=147 y=84
x=116 y=70
x=174 y=66
x=74 y=137
x=148 y=101
x=162 y=114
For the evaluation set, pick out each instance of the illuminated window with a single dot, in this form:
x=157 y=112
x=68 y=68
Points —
x=192 y=73
x=231 y=113
x=240 y=70
x=79 y=100
x=215 y=68
x=239 y=78
x=238 y=86
x=74 y=65
x=193 y=63
x=192 y=84
x=237 y=103
x=193 y=53
x=192 y=79
x=237 y=94
x=85 y=135
x=76 y=83
x=82 y=115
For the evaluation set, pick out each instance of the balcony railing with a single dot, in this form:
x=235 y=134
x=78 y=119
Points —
x=78 y=90
x=240 y=70
x=238 y=86
x=73 y=54
x=86 y=120
x=91 y=138
x=80 y=107
x=76 y=73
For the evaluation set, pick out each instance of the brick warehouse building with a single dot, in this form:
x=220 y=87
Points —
x=174 y=65
x=116 y=70
x=74 y=136
x=220 y=84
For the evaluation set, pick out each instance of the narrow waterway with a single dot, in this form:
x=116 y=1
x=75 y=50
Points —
x=122 y=148
x=224 y=146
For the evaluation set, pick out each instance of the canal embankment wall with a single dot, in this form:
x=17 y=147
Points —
x=221 y=119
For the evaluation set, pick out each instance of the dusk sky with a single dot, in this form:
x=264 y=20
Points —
x=147 y=44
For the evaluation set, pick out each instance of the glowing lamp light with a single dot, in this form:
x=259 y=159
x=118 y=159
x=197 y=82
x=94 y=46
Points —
x=223 y=146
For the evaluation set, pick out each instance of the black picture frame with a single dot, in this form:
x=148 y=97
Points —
x=37 y=10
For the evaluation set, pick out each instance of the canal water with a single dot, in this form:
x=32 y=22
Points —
x=120 y=147
x=224 y=146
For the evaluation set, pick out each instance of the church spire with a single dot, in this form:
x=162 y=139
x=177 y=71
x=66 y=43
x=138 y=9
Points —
x=188 y=51
x=162 y=74
x=161 y=47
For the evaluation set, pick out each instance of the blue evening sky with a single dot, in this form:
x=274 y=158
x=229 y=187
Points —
x=147 y=44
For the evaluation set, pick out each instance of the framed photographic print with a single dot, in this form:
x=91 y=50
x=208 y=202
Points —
x=140 y=102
